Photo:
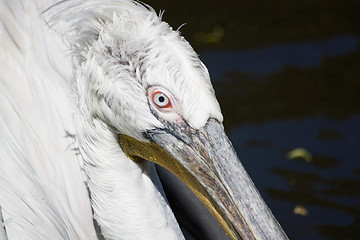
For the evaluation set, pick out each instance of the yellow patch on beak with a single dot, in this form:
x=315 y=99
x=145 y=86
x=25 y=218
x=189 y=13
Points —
x=137 y=151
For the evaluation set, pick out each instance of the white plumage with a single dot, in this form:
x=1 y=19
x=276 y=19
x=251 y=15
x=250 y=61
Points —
x=89 y=91
x=73 y=75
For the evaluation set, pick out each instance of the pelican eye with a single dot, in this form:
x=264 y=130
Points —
x=161 y=100
x=164 y=104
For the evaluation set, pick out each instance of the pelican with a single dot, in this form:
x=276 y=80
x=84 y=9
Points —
x=92 y=94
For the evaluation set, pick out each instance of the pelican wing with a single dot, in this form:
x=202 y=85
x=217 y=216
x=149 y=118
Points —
x=42 y=189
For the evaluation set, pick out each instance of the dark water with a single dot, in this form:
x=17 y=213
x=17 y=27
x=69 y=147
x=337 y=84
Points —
x=287 y=75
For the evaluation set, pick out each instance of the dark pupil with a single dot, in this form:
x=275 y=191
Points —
x=161 y=99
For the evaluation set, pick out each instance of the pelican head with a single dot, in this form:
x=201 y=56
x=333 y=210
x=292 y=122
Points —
x=143 y=95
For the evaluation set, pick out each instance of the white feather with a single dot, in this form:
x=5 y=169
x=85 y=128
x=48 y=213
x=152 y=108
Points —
x=42 y=193
x=74 y=74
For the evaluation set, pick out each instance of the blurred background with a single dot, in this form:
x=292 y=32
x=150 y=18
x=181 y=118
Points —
x=287 y=76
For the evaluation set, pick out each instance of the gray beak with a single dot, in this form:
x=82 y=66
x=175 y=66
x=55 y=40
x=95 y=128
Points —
x=207 y=163
x=225 y=187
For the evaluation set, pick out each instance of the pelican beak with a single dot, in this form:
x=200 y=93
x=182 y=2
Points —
x=207 y=163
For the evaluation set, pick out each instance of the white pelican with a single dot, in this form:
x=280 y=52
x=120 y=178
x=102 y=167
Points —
x=91 y=94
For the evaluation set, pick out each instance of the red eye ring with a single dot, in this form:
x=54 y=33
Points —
x=164 y=104
x=161 y=100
